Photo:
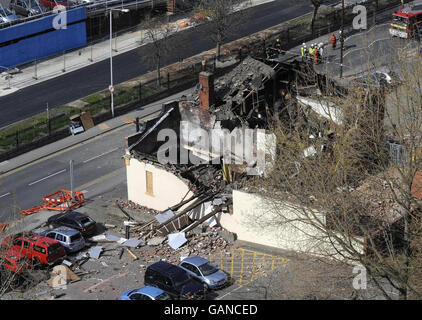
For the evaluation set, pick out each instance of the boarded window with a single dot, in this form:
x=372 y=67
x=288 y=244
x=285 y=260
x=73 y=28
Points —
x=149 y=183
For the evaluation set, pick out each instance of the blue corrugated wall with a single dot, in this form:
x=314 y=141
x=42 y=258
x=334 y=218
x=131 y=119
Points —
x=38 y=39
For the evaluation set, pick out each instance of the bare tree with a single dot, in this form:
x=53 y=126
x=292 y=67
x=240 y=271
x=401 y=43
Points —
x=223 y=17
x=158 y=32
x=337 y=182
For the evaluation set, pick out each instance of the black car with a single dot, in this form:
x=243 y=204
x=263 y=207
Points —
x=173 y=280
x=75 y=220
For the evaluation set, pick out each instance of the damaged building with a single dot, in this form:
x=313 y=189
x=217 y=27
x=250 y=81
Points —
x=189 y=155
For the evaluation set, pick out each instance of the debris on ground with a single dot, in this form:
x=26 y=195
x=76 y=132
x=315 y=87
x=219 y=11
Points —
x=176 y=240
x=134 y=242
x=156 y=241
x=95 y=252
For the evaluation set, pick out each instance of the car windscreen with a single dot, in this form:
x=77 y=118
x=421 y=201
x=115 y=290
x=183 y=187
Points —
x=208 y=268
x=54 y=248
x=163 y=296
x=75 y=237
x=400 y=21
x=181 y=279
x=86 y=221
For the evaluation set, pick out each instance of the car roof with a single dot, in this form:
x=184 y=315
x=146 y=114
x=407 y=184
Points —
x=163 y=266
x=74 y=215
x=151 y=291
x=65 y=230
x=195 y=260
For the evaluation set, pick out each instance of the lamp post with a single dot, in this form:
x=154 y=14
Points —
x=111 y=87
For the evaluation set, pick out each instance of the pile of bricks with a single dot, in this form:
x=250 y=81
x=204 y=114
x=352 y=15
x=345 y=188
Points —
x=127 y=204
x=203 y=244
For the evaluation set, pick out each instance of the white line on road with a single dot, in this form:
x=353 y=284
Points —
x=239 y=286
x=6 y=194
x=51 y=175
x=100 y=155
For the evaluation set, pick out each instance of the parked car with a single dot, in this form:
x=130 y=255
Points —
x=69 y=238
x=13 y=264
x=14 y=261
x=7 y=15
x=145 y=293
x=75 y=128
x=204 y=271
x=75 y=220
x=27 y=8
x=173 y=280
x=41 y=250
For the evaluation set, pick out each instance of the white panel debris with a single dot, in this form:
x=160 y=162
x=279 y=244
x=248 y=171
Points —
x=176 y=240
x=164 y=216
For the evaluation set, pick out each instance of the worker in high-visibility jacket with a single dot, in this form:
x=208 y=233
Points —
x=303 y=50
x=333 y=40
x=311 y=50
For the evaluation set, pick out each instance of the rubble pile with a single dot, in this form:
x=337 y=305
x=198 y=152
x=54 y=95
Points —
x=203 y=244
x=128 y=204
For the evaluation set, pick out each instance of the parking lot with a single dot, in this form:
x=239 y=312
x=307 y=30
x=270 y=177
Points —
x=116 y=270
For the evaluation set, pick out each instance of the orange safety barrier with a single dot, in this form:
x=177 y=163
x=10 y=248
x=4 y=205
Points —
x=61 y=200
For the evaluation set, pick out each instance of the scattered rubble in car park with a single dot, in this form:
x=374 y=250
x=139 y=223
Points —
x=202 y=244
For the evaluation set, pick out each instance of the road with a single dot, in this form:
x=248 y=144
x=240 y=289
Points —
x=82 y=82
x=98 y=167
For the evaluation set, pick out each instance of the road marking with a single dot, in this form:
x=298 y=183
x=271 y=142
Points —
x=100 y=179
x=116 y=276
x=6 y=194
x=51 y=175
x=100 y=155
x=239 y=286
x=92 y=139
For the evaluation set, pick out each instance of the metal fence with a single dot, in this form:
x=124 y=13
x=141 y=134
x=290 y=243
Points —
x=245 y=266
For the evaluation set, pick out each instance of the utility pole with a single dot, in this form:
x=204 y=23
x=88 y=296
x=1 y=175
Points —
x=341 y=39
x=71 y=178
x=48 y=120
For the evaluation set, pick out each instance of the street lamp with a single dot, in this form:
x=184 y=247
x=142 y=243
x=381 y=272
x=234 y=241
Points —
x=111 y=87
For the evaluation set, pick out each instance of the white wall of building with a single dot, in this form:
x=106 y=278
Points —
x=255 y=220
x=168 y=189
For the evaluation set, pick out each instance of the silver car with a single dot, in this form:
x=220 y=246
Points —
x=204 y=271
x=69 y=238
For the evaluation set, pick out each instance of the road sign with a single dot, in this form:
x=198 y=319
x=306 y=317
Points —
x=111 y=88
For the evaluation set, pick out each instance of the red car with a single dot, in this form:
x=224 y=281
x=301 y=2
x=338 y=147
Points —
x=41 y=250
x=14 y=261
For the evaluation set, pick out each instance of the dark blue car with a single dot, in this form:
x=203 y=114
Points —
x=173 y=280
